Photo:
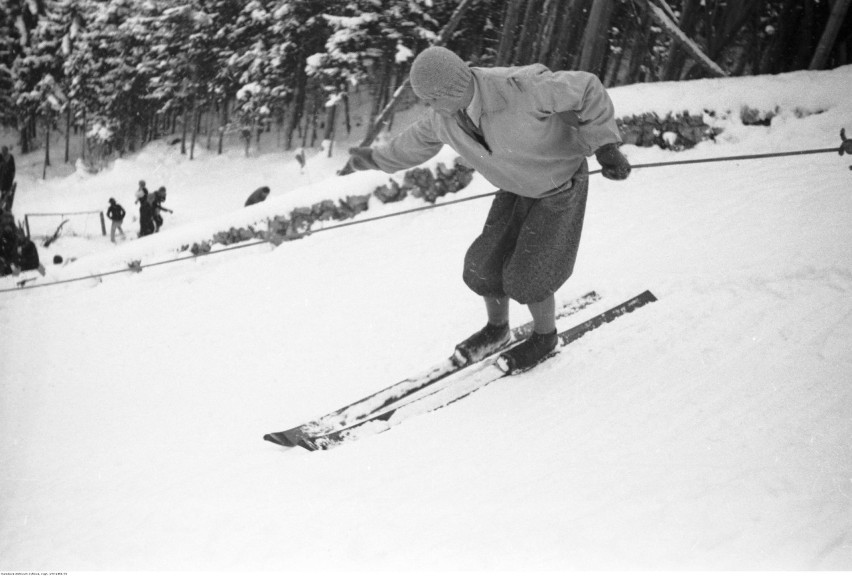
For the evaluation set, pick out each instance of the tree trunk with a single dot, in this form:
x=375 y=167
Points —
x=559 y=49
x=639 y=50
x=347 y=115
x=196 y=117
x=314 y=116
x=184 y=128
x=529 y=29
x=307 y=115
x=507 y=39
x=223 y=123
x=547 y=27
x=829 y=35
x=85 y=134
x=677 y=57
x=330 y=121
x=660 y=15
x=577 y=32
x=68 y=133
x=773 y=55
x=596 y=36
x=298 y=103
x=728 y=25
x=805 y=37
x=380 y=98
x=46 y=147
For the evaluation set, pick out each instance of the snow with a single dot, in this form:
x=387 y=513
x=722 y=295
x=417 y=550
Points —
x=708 y=430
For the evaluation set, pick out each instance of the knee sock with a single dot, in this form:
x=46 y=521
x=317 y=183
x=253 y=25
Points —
x=544 y=315
x=498 y=310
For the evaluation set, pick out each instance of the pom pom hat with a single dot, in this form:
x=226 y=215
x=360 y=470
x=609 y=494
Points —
x=438 y=73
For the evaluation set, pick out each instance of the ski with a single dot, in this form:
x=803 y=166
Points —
x=431 y=400
x=380 y=400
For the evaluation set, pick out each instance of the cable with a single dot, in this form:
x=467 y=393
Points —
x=411 y=211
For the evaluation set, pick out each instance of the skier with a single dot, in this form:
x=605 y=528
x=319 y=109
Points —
x=115 y=213
x=528 y=131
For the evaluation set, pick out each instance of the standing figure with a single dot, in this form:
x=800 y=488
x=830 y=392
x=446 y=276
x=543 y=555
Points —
x=528 y=131
x=7 y=178
x=157 y=206
x=146 y=214
x=115 y=213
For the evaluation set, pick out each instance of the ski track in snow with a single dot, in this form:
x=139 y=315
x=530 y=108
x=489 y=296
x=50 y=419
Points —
x=707 y=430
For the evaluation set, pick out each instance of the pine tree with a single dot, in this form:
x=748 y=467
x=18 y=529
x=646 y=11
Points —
x=10 y=49
x=119 y=74
x=372 y=45
x=40 y=87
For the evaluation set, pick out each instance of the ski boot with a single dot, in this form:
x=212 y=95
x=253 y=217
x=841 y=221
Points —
x=482 y=344
x=528 y=353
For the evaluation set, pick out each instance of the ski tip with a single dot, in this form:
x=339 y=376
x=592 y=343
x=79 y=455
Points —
x=279 y=438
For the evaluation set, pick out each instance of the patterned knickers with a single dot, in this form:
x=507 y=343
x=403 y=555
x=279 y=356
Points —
x=528 y=246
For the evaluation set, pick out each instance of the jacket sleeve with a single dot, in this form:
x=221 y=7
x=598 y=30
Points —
x=411 y=147
x=582 y=97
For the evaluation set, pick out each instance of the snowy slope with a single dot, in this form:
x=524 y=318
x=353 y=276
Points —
x=709 y=430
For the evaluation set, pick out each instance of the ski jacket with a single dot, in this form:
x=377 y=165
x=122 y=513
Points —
x=115 y=212
x=538 y=125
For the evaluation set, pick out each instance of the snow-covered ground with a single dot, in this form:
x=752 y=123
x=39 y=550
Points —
x=709 y=430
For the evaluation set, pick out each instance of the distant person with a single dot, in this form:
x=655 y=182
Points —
x=116 y=214
x=7 y=177
x=146 y=214
x=157 y=200
x=141 y=191
x=28 y=254
x=8 y=248
x=258 y=196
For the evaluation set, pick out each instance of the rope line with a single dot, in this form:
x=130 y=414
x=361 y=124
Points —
x=411 y=211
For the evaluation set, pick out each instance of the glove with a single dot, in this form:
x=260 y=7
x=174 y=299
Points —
x=614 y=164
x=361 y=158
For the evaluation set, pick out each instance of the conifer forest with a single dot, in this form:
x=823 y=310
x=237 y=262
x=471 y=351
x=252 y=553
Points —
x=124 y=72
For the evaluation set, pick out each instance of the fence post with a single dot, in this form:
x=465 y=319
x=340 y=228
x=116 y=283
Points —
x=103 y=223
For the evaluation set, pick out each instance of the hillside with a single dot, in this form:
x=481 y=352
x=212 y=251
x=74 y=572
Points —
x=708 y=430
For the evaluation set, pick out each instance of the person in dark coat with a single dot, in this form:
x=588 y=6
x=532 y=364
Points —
x=7 y=170
x=7 y=177
x=8 y=248
x=157 y=200
x=28 y=254
x=116 y=214
x=146 y=215
x=258 y=196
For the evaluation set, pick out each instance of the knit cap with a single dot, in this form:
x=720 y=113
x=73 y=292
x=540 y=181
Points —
x=439 y=73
